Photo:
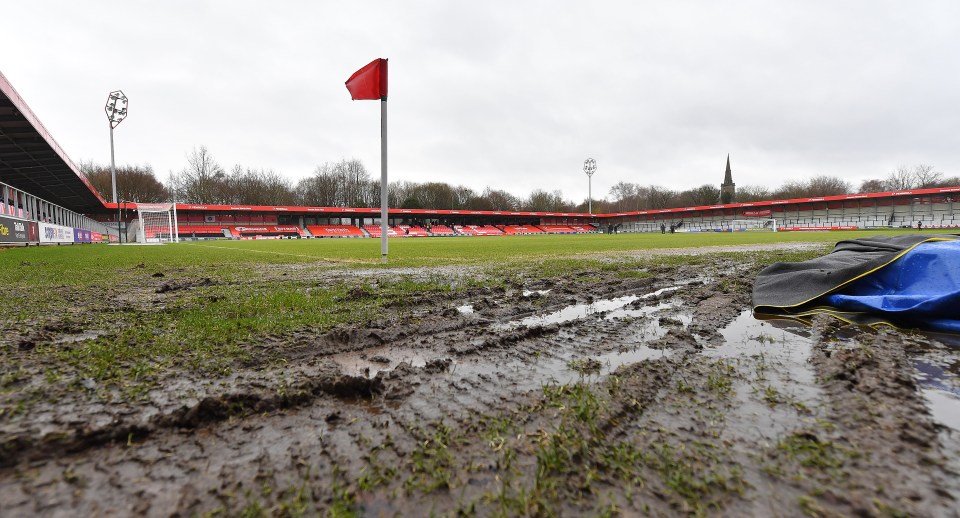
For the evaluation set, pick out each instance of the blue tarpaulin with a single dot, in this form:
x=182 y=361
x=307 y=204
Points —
x=920 y=289
x=906 y=281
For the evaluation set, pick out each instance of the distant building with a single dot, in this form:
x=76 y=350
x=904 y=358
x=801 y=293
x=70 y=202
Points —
x=728 y=189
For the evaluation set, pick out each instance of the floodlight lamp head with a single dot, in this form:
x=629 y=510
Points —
x=590 y=166
x=116 y=108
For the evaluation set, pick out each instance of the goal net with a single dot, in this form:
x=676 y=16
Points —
x=158 y=223
x=756 y=224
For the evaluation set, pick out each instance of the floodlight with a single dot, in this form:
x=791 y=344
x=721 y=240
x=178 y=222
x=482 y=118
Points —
x=116 y=109
x=589 y=167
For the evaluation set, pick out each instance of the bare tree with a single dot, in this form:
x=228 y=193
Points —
x=872 y=185
x=626 y=197
x=463 y=195
x=952 y=181
x=501 y=200
x=202 y=181
x=790 y=190
x=318 y=190
x=660 y=198
x=437 y=195
x=543 y=201
x=399 y=195
x=827 y=186
x=706 y=194
x=354 y=179
x=900 y=179
x=926 y=177
x=479 y=202
x=748 y=193
x=134 y=183
x=920 y=176
x=259 y=187
x=342 y=184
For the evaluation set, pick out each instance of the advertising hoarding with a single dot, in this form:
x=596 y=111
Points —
x=50 y=233
x=17 y=231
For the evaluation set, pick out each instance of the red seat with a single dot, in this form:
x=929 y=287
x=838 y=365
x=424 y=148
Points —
x=335 y=231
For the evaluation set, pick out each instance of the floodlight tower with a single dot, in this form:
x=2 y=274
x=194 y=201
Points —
x=590 y=167
x=116 y=109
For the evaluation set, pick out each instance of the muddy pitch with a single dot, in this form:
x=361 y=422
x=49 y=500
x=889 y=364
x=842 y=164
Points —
x=589 y=394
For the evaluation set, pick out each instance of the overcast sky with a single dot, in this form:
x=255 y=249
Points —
x=513 y=95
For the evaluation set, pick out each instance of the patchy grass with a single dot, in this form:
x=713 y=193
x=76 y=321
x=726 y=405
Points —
x=431 y=462
x=117 y=320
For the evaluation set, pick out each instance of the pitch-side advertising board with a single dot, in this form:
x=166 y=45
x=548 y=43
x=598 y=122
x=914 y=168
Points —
x=50 y=233
x=18 y=231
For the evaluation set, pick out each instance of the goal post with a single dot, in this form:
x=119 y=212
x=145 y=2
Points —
x=755 y=224
x=158 y=223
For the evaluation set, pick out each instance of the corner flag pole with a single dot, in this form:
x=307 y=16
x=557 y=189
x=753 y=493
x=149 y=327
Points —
x=370 y=82
x=384 y=228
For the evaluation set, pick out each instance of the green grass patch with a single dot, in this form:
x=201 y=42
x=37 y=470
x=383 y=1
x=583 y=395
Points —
x=226 y=296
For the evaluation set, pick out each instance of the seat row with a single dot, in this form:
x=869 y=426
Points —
x=188 y=229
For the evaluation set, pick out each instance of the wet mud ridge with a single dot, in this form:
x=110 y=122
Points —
x=601 y=392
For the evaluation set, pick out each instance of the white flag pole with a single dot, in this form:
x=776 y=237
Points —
x=384 y=228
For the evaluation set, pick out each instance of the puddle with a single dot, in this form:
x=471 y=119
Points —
x=747 y=336
x=79 y=337
x=944 y=406
x=369 y=362
x=935 y=376
x=614 y=360
x=784 y=346
x=530 y=293
x=578 y=311
x=654 y=326
x=558 y=369
x=941 y=388
x=555 y=368
x=786 y=342
x=775 y=359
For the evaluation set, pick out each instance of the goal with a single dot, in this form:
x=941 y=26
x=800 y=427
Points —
x=158 y=223
x=756 y=224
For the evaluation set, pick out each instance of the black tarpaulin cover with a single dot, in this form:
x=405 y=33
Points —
x=909 y=281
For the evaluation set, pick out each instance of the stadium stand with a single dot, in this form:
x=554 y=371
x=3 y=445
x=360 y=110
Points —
x=478 y=230
x=442 y=230
x=335 y=231
x=521 y=229
x=557 y=229
x=412 y=230
x=247 y=231
x=375 y=231
x=152 y=232
x=583 y=229
x=190 y=230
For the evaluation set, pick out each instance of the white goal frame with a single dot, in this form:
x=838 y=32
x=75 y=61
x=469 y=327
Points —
x=162 y=218
x=753 y=224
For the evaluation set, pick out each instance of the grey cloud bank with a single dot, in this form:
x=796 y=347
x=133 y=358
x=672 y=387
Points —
x=511 y=95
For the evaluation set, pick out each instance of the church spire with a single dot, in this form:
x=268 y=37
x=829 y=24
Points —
x=728 y=189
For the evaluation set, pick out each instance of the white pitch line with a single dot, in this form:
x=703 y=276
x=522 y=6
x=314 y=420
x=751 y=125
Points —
x=315 y=258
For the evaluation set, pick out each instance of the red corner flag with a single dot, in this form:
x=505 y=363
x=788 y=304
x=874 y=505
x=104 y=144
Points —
x=370 y=82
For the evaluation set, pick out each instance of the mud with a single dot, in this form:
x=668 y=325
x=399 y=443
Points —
x=594 y=393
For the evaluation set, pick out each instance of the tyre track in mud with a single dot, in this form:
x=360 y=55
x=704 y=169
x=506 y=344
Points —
x=403 y=399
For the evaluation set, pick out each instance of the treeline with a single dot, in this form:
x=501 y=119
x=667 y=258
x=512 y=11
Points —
x=347 y=183
x=626 y=196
